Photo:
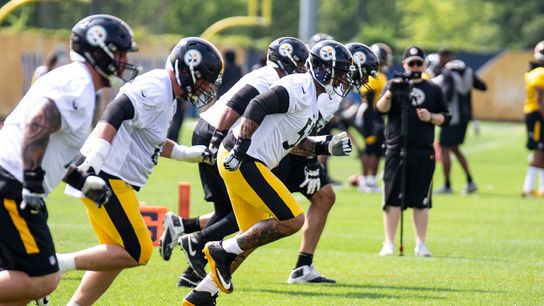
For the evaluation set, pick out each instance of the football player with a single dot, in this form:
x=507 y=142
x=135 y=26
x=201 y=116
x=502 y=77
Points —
x=123 y=149
x=307 y=176
x=271 y=126
x=40 y=136
x=286 y=55
x=370 y=124
x=534 y=114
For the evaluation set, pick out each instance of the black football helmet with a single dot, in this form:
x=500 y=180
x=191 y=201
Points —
x=96 y=38
x=288 y=54
x=331 y=65
x=366 y=64
x=192 y=59
x=539 y=51
x=319 y=37
x=384 y=54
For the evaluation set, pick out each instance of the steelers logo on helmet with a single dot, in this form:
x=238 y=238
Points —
x=96 y=35
x=192 y=57
x=327 y=53
x=285 y=49
x=359 y=58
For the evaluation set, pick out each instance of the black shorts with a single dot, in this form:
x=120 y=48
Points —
x=453 y=135
x=419 y=175
x=212 y=183
x=291 y=172
x=25 y=240
x=373 y=132
x=534 y=122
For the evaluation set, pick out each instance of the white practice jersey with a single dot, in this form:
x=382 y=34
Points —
x=72 y=90
x=327 y=108
x=138 y=143
x=279 y=133
x=261 y=79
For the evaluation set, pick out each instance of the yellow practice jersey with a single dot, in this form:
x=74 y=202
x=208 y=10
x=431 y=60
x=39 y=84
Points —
x=377 y=86
x=533 y=79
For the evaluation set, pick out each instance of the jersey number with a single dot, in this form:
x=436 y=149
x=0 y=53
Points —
x=301 y=133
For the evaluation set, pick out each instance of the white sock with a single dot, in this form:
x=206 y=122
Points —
x=530 y=179
x=370 y=180
x=207 y=284
x=72 y=303
x=231 y=246
x=541 y=181
x=67 y=262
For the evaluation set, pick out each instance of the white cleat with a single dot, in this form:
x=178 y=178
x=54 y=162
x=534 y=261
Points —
x=307 y=274
x=422 y=251
x=172 y=227
x=388 y=249
x=44 y=301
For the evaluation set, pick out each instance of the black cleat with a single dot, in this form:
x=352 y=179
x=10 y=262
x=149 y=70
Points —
x=172 y=227
x=193 y=249
x=189 y=279
x=220 y=262
x=199 y=298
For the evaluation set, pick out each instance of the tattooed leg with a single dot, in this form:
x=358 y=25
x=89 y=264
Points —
x=267 y=231
x=239 y=259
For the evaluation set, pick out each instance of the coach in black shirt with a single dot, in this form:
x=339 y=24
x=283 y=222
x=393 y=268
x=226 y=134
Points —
x=426 y=108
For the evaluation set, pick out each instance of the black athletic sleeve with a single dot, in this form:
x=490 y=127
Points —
x=442 y=106
x=479 y=83
x=273 y=101
x=117 y=111
x=241 y=99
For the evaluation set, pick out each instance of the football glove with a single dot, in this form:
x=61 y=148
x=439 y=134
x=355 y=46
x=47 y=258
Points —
x=340 y=145
x=215 y=142
x=33 y=193
x=237 y=155
x=93 y=187
x=96 y=189
x=312 y=182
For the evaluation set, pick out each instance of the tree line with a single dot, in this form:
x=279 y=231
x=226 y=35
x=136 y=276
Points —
x=470 y=25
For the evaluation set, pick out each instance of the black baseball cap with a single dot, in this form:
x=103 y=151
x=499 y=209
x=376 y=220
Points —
x=413 y=52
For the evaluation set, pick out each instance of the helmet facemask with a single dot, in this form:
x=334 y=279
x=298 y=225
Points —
x=103 y=41
x=198 y=93
x=335 y=79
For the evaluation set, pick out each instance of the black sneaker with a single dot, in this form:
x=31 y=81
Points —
x=172 y=229
x=199 y=298
x=189 y=279
x=220 y=262
x=193 y=249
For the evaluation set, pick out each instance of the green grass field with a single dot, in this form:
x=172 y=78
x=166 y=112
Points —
x=487 y=247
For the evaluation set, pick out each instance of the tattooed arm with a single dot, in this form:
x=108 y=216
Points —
x=247 y=128
x=45 y=121
x=306 y=147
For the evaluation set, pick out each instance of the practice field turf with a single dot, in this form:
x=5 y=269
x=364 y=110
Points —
x=488 y=248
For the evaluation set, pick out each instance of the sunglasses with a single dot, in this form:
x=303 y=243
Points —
x=415 y=63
